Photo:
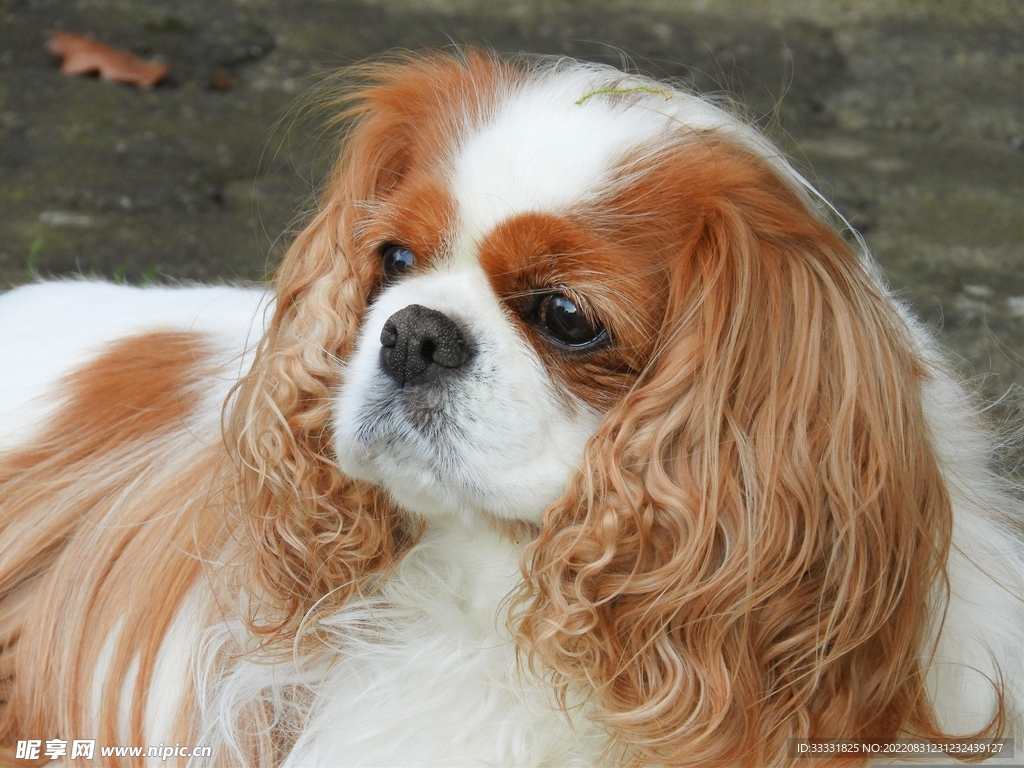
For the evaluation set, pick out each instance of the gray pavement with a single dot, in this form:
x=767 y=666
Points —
x=909 y=115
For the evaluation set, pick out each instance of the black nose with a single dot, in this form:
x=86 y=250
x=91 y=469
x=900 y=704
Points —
x=418 y=344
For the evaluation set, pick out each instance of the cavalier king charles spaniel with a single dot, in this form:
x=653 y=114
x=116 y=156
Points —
x=577 y=429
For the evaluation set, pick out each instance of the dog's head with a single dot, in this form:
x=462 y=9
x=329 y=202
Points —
x=563 y=297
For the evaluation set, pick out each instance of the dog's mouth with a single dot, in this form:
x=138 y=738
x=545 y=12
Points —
x=422 y=418
x=411 y=442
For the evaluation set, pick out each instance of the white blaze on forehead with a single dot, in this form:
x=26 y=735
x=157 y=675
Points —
x=552 y=142
x=541 y=151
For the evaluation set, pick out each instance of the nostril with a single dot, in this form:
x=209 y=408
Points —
x=389 y=334
x=451 y=350
x=427 y=350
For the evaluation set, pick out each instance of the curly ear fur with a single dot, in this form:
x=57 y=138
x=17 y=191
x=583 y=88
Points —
x=750 y=548
x=318 y=535
x=315 y=532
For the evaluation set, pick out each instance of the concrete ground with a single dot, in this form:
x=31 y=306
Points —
x=907 y=114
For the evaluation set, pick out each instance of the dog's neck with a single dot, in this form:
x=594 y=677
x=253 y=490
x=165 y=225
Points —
x=474 y=565
x=426 y=663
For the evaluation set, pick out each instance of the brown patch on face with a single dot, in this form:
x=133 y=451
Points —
x=417 y=215
x=409 y=121
x=622 y=286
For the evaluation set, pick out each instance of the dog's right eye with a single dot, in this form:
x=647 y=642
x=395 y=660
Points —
x=397 y=261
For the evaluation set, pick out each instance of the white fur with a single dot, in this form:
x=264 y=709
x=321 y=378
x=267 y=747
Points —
x=421 y=671
x=540 y=152
x=980 y=641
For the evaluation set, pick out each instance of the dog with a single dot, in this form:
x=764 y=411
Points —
x=576 y=429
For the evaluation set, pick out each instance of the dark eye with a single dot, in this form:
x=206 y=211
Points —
x=397 y=260
x=565 y=323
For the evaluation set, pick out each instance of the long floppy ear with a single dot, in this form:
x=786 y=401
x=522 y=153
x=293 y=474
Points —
x=750 y=548
x=315 y=534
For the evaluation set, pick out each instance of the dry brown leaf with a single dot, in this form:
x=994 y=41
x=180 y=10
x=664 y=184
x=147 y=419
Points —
x=83 y=56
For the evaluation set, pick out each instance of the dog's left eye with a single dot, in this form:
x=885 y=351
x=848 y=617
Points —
x=565 y=323
x=397 y=260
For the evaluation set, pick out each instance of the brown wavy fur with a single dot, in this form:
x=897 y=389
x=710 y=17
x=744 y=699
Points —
x=750 y=549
